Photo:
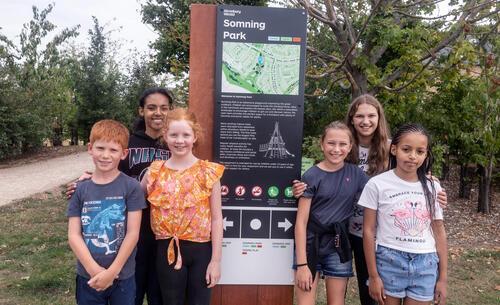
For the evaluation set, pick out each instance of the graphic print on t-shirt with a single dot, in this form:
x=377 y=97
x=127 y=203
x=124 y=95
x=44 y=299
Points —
x=412 y=218
x=103 y=224
x=146 y=155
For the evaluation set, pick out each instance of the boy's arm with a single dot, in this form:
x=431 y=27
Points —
x=105 y=279
x=212 y=275
x=375 y=285
x=79 y=248
x=442 y=252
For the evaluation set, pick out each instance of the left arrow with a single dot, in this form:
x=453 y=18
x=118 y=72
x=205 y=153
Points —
x=226 y=223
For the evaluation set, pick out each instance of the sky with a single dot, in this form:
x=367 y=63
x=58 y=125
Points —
x=121 y=16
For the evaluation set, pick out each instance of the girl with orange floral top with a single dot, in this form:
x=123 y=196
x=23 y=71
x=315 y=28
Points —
x=186 y=214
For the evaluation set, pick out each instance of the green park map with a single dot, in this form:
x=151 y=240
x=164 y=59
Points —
x=260 y=68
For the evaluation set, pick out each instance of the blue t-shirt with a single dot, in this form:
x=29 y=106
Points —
x=333 y=194
x=102 y=209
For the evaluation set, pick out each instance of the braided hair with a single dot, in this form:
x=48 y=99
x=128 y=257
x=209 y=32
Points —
x=425 y=168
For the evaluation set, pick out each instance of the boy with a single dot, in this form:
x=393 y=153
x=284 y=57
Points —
x=104 y=221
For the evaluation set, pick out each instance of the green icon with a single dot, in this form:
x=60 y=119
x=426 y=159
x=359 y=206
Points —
x=288 y=192
x=273 y=191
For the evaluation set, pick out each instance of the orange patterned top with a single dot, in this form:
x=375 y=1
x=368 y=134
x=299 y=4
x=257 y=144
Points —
x=180 y=203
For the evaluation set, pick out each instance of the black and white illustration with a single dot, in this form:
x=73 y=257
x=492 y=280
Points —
x=276 y=147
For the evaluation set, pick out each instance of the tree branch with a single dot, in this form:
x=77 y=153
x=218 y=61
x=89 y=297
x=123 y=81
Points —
x=315 y=13
x=347 y=20
x=410 y=81
x=323 y=55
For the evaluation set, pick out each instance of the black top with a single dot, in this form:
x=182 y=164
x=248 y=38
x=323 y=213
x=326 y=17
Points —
x=142 y=151
x=333 y=195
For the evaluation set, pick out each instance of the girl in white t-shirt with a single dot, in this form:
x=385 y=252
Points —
x=408 y=259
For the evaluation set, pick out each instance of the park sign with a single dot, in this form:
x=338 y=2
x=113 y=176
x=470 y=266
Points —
x=258 y=117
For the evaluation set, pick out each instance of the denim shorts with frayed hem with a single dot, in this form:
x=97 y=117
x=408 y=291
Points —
x=407 y=274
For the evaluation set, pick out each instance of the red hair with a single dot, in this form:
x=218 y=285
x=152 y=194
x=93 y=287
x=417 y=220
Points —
x=110 y=131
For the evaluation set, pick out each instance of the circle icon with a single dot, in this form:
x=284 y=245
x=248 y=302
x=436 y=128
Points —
x=288 y=192
x=256 y=191
x=255 y=224
x=273 y=191
x=240 y=190
x=224 y=190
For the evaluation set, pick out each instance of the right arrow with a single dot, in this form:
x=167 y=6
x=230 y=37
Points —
x=285 y=224
x=226 y=223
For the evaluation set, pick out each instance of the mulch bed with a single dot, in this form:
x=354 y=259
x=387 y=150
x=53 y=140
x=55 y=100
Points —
x=467 y=229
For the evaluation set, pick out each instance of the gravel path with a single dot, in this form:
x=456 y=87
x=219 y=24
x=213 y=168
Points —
x=23 y=181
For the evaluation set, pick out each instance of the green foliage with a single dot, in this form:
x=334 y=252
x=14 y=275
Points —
x=170 y=19
x=311 y=148
x=34 y=91
x=97 y=83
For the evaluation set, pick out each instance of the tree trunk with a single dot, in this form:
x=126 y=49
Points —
x=445 y=171
x=483 y=201
x=74 y=136
x=466 y=175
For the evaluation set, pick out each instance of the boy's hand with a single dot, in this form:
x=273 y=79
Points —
x=102 y=280
x=440 y=293
x=213 y=274
x=376 y=288
x=298 y=188
x=303 y=278
x=71 y=187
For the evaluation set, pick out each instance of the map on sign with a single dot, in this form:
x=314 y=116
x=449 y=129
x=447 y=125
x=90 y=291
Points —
x=260 y=68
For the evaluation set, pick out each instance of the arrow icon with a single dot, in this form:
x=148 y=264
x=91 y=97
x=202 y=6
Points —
x=226 y=223
x=285 y=224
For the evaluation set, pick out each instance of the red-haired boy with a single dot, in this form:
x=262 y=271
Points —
x=104 y=221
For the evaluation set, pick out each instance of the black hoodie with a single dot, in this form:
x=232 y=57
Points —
x=142 y=151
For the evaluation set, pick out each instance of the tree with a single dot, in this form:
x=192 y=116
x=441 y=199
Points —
x=98 y=90
x=139 y=78
x=34 y=87
x=386 y=45
x=170 y=19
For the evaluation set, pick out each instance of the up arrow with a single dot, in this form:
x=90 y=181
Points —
x=285 y=224
x=226 y=223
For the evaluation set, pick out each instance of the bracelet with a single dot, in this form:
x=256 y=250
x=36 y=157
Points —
x=300 y=265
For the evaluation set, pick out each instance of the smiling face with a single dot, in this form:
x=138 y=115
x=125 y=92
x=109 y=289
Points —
x=180 y=138
x=335 y=145
x=106 y=155
x=365 y=122
x=410 y=154
x=155 y=109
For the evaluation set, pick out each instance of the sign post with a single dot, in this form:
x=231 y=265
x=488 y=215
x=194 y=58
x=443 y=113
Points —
x=258 y=92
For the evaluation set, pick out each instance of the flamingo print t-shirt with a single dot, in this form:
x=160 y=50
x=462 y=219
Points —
x=102 y=209
x=403 y=219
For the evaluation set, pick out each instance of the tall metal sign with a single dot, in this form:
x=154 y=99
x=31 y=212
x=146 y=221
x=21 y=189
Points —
x=258 y=118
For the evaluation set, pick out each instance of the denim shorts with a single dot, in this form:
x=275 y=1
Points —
x=122 y=292
x=330 y=266
x=407 y=274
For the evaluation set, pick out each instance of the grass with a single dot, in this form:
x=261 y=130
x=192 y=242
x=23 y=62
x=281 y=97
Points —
x=37 y=266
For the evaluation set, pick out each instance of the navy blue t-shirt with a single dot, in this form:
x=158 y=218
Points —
x=333 y=194
x=102 y=209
